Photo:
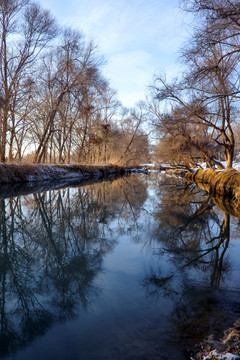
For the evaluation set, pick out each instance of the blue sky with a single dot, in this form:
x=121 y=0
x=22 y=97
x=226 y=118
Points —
x=136 y=37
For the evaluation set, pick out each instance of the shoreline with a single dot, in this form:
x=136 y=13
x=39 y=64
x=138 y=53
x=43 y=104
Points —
x=225 y=348
x=25 y=173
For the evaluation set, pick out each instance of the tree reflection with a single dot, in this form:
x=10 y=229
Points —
x=194 y=235
x=192 y=232
x=52 y=246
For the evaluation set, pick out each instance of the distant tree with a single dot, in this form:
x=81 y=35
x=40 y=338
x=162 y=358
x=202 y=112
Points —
x=184 y=143
x=136 y=146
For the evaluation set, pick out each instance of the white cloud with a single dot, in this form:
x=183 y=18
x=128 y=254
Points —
x=129 y=73
x=137 y=37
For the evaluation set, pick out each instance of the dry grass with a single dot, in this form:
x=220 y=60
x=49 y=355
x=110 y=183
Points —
x=222 y=186
x=217 y=182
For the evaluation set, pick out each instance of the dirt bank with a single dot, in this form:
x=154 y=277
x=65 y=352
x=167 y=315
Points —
x=13 y=173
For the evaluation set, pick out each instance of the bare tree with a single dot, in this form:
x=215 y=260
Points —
x=69 y=76
x=207 y=93
x=25 y=30
x=184 y=143
x=54 y=101
x=135 y=147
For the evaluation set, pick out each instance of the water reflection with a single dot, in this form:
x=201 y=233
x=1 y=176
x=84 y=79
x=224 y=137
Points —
x=192 y=231
x=168 y=248
x=195 y=235
x=52 y=248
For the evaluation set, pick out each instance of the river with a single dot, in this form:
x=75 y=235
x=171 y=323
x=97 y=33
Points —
x=142 y=267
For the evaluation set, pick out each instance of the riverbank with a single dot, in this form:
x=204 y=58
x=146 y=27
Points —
x=226 y=348
x=14 y=173
x=217 y=182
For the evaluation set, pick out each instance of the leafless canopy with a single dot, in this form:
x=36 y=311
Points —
x=207 y=94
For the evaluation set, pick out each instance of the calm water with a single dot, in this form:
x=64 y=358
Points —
x=138 y=268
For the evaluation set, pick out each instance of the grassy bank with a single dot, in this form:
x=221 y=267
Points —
x=217 y=182
x=13 y=173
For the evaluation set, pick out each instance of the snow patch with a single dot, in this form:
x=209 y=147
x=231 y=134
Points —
x=220 y=356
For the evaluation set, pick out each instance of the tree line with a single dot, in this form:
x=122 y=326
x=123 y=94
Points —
x=196 y=115
x=57 y=107
x=55 y=104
